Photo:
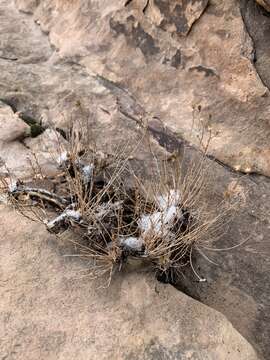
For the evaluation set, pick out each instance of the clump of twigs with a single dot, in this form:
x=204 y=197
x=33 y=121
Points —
x=89 y=201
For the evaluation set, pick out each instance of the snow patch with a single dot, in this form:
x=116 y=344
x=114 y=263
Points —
x=132 y=243
x=159 y=221
x=13 y=185
x=87 y=173
x=73 y=214
x=63 y=158
x=67 y=214
x=152 y=222
x=3 y=199
x=172 y=198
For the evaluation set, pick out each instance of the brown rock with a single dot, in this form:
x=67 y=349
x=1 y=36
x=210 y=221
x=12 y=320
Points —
x=12 y=127
x=176 y=73
x=265 y=4
x=48 y=310
x=13 y=153
x=112 y=65
x=175 y=17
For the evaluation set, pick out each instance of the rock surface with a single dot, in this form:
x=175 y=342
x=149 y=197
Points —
x=19 y=152
x=48 y=311
x=158 y=53
x=237 y=280
x=265 y=4
x=253 y=15
x=118 y=64
x=13 y=153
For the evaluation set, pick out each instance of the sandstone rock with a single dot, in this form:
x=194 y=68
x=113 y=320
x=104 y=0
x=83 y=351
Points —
x=114 y=66
x=27 y=6
x=47 y=147
x=13 y=154
x=12 y=48
x=17 y=148
x=258 y=26
x=176 y=73
x=237 y=279
x=265 y=4
x=48 y=311
x=176 y=17
x=12 y=127
x=15 y=158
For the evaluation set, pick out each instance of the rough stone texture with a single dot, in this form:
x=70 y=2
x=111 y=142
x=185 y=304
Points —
x=19 y=152
x=253 y=15
x=265 y=4
x=11 y=127
x=176 y=16
x=13 y=153
x=168 y=73
x=238 y=285
x=115 y=66
x=48 y=312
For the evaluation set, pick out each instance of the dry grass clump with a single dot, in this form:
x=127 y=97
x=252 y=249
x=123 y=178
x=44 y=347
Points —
x=111 y=214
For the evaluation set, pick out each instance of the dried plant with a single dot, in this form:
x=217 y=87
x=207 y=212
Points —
x=161 y=219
